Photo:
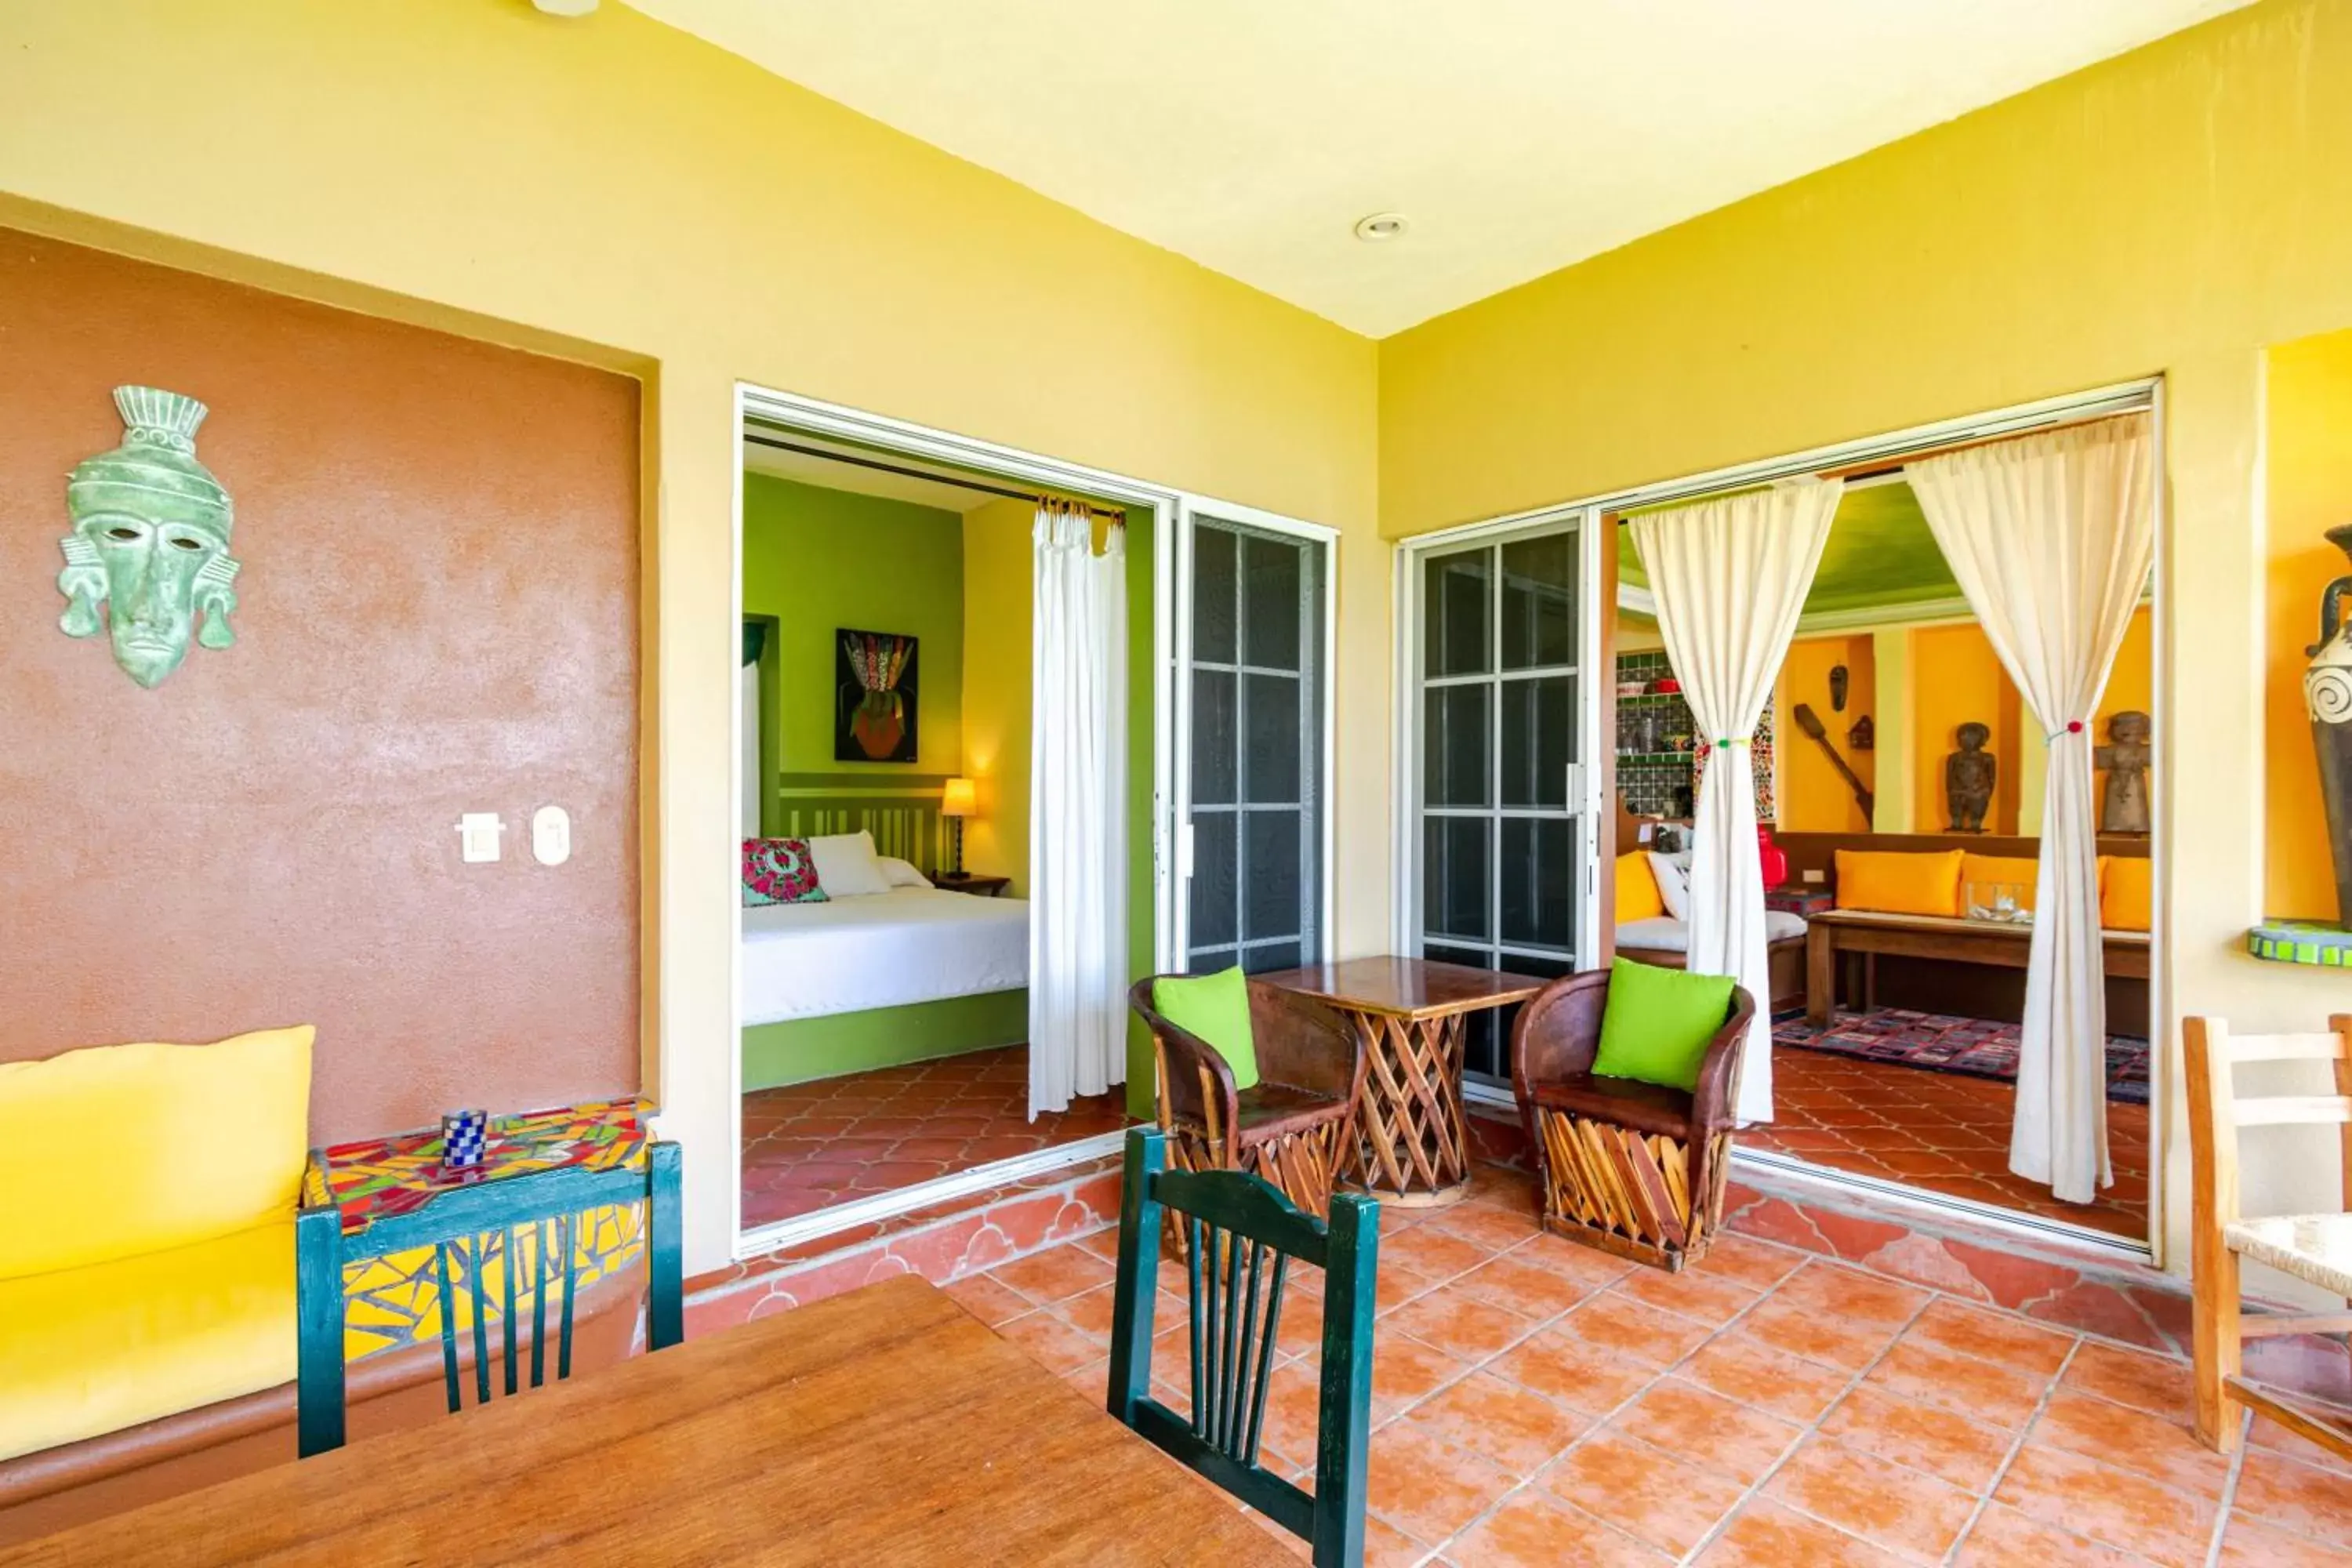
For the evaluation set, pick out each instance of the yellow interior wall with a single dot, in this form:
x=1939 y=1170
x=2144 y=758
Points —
x=998 y=594
x=613 y=189
x=1955 y=679
x=2172 y=211
x=1812 y=796
x=2309 y=476
x=1637 y=634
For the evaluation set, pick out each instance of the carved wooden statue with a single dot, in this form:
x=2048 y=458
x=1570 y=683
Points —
x=2123 y=803
x=1969 y=777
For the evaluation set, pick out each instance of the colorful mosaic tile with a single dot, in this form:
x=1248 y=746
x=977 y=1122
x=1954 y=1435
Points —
x=396 y=1299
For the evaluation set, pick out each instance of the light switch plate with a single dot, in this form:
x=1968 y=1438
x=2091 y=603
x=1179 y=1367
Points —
x=1816 y=877
x=550 y=835
x=478 y=835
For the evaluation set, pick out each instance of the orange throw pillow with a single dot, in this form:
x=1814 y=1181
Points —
x=1637 y=890
x=1896 y=883
x=2127 y=898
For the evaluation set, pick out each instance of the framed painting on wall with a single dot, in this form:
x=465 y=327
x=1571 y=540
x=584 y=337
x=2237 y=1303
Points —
x=874 y=697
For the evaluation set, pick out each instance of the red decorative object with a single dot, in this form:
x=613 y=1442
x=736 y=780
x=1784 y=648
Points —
x=1666 y=686
x=780 y=871
x=1774 y=859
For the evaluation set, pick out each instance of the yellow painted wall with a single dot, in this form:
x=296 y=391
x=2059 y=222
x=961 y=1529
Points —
x=997 y=616
x=2310 y=491
x=1955 y=679
x=618 y=191
x=1812 y=796
x=2172 y=211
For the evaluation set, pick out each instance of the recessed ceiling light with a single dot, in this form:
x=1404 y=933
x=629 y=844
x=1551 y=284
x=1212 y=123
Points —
x=1380 y=226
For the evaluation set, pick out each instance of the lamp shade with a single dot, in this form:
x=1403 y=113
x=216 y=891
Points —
x=958 y=799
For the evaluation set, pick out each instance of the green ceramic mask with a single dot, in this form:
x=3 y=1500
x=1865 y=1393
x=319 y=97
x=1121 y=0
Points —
x=150 y=538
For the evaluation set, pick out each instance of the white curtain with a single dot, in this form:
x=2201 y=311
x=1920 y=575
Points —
x=1730 y=576
x=1077 y=828
x=2050 y=537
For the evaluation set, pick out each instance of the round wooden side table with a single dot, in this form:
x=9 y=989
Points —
x=1410 y=1146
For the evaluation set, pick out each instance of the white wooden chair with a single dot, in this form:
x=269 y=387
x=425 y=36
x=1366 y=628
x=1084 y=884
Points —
x=2315 y=1247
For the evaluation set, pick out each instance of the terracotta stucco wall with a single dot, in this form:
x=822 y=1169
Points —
x=439 y=614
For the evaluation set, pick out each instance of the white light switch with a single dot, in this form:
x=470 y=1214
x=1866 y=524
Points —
x=478 y=834
x=1816 y=877
x=550 y=834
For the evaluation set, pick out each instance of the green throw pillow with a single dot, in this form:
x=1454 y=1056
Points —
x=1215 y=1008
x=1659 y=1022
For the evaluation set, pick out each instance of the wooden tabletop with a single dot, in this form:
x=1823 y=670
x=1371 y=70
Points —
x=2020 y=932
x=1406 y=987
x=882 y=1426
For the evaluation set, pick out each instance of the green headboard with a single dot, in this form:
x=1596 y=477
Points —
x=902 y=813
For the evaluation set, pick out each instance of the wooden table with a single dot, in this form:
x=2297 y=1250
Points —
x=1410 y=1147
x=884 y=1426
x=1869 y=934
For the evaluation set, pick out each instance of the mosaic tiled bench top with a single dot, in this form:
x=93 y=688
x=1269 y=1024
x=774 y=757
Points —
x=392 y=1300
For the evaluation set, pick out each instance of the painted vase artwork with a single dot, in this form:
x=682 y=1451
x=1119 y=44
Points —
x=875 y=701
x=150 y=540
x=2327 y=698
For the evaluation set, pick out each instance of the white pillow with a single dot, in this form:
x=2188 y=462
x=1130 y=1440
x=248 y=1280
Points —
x=1671 y=873
x=902 y=873
x=846 y=867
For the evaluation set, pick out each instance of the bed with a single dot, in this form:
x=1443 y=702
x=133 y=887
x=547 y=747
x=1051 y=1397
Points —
x=884 y=950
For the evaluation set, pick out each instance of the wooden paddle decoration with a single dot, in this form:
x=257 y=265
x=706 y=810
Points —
x=1811 y=723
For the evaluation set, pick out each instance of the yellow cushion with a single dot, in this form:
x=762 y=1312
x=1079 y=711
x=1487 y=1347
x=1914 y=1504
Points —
x=86 y=1351
x=2128 y=894
x=140 y=1148
x=2016 y=870
x=1637 y=889
x=1898 y=883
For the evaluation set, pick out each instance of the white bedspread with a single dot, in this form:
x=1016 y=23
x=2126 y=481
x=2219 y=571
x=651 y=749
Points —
x=884 y=950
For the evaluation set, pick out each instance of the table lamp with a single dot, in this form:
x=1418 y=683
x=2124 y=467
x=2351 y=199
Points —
x=957 y=801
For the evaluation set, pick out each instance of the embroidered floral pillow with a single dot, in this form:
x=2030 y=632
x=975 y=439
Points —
x=780 y=871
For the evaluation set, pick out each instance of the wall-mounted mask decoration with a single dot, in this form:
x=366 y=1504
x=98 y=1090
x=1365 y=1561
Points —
x=1863 y=735
x=1837 y=688
x=150 y=540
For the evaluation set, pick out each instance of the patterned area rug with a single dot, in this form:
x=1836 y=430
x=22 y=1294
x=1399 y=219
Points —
x=1977 y=1047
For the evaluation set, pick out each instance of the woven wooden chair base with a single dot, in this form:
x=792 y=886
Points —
x=1302 y=1164
x=1627 y=1192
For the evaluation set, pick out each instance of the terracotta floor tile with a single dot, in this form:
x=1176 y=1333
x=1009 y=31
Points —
x=1396 y=1283
x=1589 y=1377
x=1738 y=1366
x=2151 y=1383
x=1528 y=1289
x=1749 y=1261
x=2111 y=1506
x=1852 y=1296
x=2004 y=1538
x=1573 y=1259
x=1436 y=1253
x=1980 y=1390
x=1535 y=1531
x=1683 y=1418
x=1052 y=1342
x=1713 y=1301
x=1663 y=1500
x=1801 y=1330
x=2160 y=1447
x=1992 y=1336
x=1405 y=1370
x=1927 y=1437
x=1482 y=1225
x=1055 y=1274
x=990 y=1301
x=1426 y=1487
x=1293 y=1403
x=1501 y=1422
x=1902 y=1511
x=1460 y=1323
x=2247 y=1542
x=2297 y=1497
x=1766 y=1535
x=1634 y=1330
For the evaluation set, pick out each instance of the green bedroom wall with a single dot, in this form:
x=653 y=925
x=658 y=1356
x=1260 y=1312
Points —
x=817 y=559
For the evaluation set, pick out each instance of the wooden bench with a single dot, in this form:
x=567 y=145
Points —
x=1867 y=934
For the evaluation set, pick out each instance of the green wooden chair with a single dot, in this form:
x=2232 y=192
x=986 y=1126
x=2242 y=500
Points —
x=1242 y=1228
x=483 y=1226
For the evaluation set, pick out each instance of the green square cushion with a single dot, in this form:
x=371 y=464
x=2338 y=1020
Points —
x=1214 y=1008
x=1659 y=1022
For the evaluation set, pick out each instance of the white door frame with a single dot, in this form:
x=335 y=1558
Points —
x=2122 y=397
x=1167 y=506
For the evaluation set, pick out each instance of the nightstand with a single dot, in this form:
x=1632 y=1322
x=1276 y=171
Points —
x=970 y=882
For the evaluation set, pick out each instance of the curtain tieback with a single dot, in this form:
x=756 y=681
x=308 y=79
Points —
x=2071 y=727
x=1738 y=741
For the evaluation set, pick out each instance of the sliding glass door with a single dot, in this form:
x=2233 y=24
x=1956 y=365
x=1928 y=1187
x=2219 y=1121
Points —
x=1255 y=691
x=1499 y=710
